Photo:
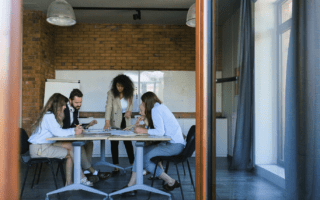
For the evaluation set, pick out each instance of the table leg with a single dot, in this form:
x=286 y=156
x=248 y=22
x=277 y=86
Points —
x=77 y=177
x=103 y=157
x=139 y=185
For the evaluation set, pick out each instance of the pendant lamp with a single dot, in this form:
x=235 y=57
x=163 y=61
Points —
x=191 y=16
x=61 y=13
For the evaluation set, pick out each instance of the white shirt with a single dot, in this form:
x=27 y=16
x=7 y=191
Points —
x=124 y=105
x=49 y=127
x=71 y=110
x=165 y=124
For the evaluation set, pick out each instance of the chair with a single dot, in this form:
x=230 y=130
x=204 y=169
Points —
x=26 y=159
x=183 y=156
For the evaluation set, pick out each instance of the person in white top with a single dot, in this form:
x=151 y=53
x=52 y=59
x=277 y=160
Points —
x=118 y=114
x=49 y=124
x=161 y=122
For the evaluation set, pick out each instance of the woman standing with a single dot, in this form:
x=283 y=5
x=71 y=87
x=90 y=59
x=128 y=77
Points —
x=118 y=114
x=161 y=122
x=50 y=124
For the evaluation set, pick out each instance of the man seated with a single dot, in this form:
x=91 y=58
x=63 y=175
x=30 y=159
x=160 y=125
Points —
x=71 y=120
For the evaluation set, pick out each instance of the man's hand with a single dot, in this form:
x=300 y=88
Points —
x=140 y=130
x=93 y=122
x=107 y=125
x=127 y=114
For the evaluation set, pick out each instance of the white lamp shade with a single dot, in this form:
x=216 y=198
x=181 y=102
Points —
x=61 y=13
x=191 y=16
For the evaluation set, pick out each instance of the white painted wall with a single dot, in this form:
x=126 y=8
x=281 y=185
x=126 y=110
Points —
x=229 y=63
x=265 y=141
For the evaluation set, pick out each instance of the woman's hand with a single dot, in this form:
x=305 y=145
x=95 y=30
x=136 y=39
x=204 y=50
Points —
x=141 y=118
x=127 y=114
x=78 y=130
x=107 y=125
x=140 y=130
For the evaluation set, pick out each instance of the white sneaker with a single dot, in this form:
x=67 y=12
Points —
x=84 y=181
x=86 y=172
x=144 y=172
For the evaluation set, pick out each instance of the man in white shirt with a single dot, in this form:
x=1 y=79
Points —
x=71 y=120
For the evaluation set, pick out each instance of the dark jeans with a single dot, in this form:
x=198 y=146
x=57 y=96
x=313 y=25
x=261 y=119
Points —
x=127 y=144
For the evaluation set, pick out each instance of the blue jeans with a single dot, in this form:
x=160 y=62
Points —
x=161 y=149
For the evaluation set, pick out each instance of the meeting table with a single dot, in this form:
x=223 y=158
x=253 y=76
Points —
x=91 y=135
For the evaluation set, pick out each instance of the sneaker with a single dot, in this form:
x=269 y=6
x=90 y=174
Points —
x=84 y=181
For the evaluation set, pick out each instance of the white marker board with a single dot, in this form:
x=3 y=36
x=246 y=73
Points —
x=63 y=87
x=175 y=88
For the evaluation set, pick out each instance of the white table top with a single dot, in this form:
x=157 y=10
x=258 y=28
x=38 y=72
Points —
x=102 y=135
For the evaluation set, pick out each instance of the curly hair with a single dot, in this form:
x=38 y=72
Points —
x=128 y=86
x=53 y=105
x=149 y=99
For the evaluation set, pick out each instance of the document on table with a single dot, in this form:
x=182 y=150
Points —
x=122 y=133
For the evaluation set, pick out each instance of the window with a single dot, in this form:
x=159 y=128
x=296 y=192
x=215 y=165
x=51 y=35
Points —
x=284 y=29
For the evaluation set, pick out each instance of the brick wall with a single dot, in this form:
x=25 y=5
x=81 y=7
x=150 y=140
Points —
x=125 y=47
x=37 y=64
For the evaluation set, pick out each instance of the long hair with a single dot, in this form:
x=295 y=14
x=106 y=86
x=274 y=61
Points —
x=149 y=99
x=54 y=105
x=128 y=87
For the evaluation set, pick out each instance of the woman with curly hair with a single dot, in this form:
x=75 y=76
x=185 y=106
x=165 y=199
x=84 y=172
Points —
x=118 y=114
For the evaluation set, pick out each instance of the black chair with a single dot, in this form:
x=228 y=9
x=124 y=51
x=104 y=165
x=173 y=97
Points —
x=183 y=156
x=26 y=159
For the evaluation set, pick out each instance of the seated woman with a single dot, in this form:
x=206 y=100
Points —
x=161 y=122
x=49 y=124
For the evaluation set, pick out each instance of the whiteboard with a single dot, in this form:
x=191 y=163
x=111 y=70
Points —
x=60 y=86
x=175 y=88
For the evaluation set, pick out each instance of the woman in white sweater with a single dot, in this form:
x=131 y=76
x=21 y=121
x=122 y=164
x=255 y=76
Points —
x=50 y=124
x=161 y=122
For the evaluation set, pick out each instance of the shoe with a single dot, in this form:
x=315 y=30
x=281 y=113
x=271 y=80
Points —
x=104 y=175
x=115 y=172
x=84 y=181
x=151 y=177
x=131 y=193
x=93 y=178
x=145 y=172
x=170 y=188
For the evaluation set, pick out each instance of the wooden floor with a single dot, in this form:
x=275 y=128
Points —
x=230 y=185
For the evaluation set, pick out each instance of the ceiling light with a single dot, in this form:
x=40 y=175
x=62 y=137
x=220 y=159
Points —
x=61 y=13
x=191 y=16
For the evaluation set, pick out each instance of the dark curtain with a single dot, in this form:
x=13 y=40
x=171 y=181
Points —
x=242 y=152
x=302 y=103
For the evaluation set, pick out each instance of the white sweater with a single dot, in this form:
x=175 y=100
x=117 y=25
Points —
x=49 y=127
x=165 y=124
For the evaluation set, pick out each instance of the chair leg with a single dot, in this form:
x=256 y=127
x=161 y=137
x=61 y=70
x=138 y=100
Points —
x=184 y=171
x=34 y=176
x=154 y=177
x=39 y=173
x=54 y=177
x=24 y=181
x=62 y=173
x=190 y=175
x=180 y=182
x=166 y=170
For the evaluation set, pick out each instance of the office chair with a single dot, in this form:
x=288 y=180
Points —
x=183 y=156
x=26 y=159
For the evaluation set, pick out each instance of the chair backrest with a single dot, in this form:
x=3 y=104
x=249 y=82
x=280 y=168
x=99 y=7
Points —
x=192 y=129
x=24 y=144
x=191 y=143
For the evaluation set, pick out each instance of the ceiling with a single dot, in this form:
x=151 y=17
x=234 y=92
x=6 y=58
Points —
x=225 y=9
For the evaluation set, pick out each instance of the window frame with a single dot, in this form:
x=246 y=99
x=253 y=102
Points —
x=281 y=28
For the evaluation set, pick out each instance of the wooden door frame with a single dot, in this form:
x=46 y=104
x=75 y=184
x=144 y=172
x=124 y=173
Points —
x=10 y=98
x=205 y=99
